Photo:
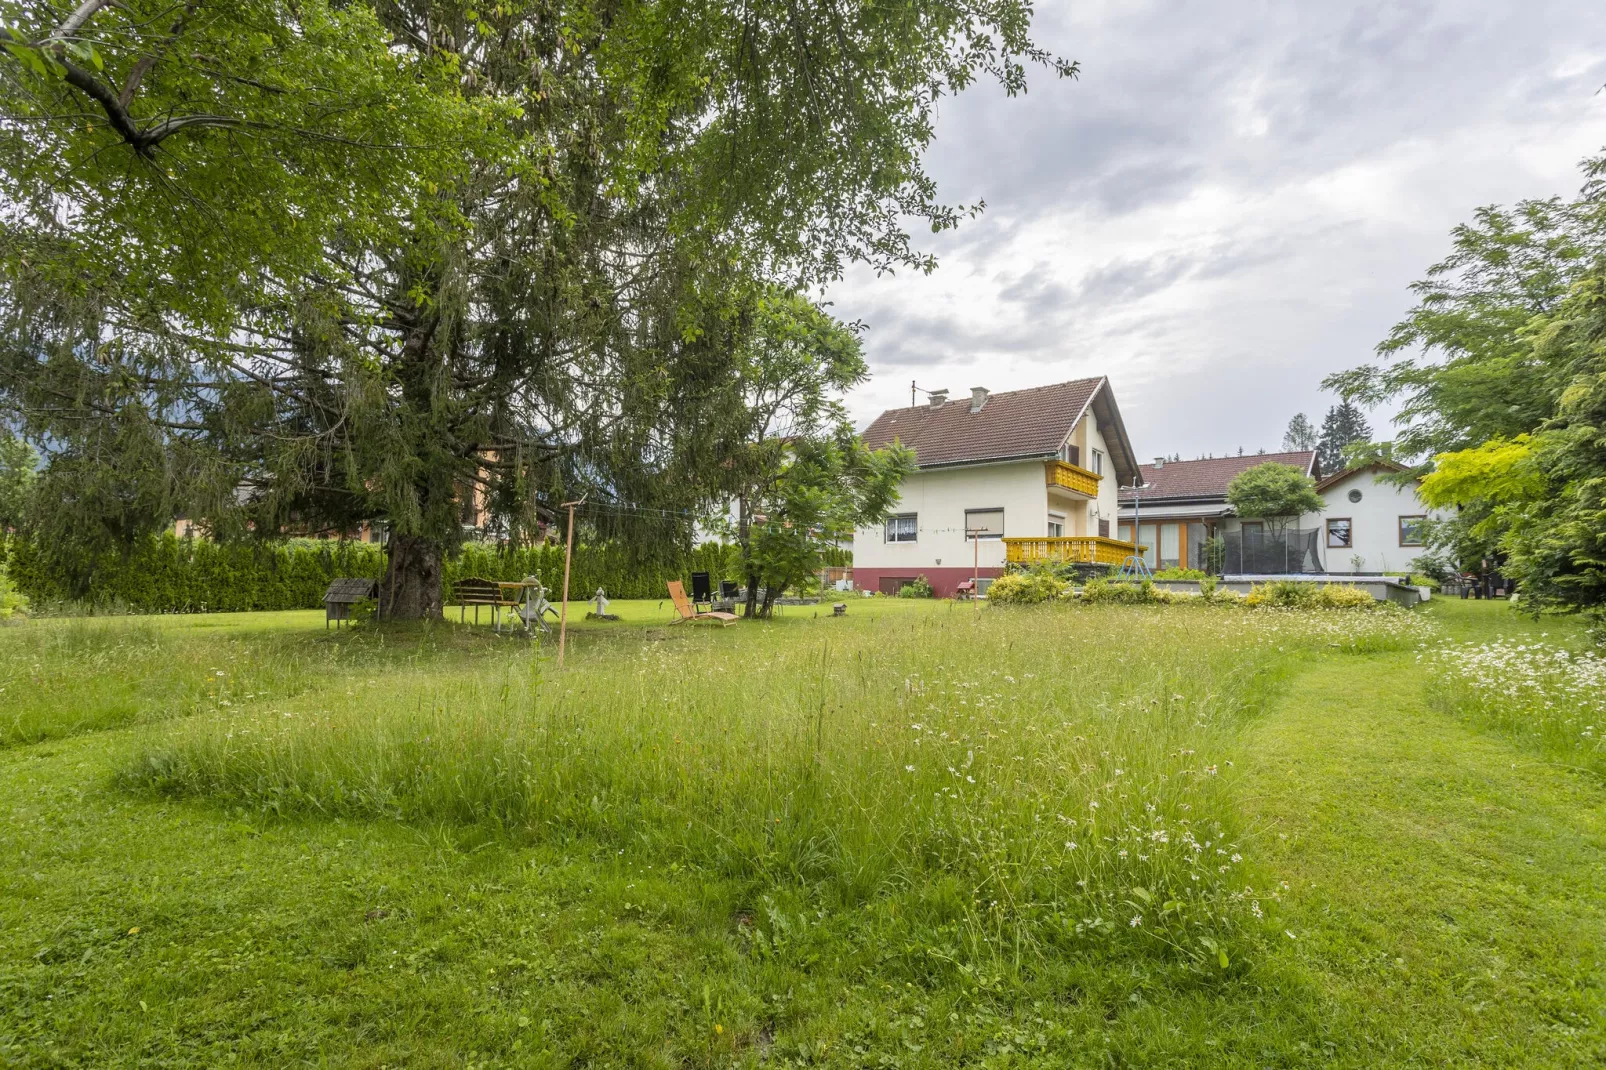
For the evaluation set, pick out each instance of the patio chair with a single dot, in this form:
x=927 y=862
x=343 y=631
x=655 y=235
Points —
x=688 y=612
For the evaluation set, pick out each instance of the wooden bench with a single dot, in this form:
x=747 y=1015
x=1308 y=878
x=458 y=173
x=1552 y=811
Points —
x=477 y=592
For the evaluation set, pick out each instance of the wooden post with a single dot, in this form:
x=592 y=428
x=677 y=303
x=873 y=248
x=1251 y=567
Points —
x=568 y=555
x=975 y=570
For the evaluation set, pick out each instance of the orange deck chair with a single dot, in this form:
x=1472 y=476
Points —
x=687 y=611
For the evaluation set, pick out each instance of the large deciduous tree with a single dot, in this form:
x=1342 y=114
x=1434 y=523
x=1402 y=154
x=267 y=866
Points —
x=799 y=477
x=289 y=265
x=1506 y=406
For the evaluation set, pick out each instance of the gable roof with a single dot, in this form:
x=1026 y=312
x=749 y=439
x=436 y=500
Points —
x=1208 y=479
x=1012 y=425
x=1339 y=477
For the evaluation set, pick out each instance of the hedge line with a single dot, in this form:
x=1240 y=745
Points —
x=167 y=574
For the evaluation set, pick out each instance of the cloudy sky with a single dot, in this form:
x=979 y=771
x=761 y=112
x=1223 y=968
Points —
x=1229 y=203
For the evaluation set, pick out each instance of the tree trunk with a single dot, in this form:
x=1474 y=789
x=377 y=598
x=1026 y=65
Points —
x=411 y=589
x=771 y=593
x=751 y=609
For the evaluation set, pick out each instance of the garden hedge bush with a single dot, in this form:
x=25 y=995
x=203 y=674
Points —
x=167 y=574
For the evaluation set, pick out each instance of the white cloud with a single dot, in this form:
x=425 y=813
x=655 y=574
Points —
x=1229 y=204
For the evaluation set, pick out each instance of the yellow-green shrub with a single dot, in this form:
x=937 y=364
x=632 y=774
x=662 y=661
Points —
x=1025 y=588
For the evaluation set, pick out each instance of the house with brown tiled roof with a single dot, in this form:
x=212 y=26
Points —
x=1182 y=504
x=1371 y=523
x=1014 y=476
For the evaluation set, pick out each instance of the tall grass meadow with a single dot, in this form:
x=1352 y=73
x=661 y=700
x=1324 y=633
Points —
x=1034 y=778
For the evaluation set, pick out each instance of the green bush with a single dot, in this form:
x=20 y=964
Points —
x=920 y=588
x=1107 y=592
x=13 y=603
x=1026 y=588
x=1284 y=594
x=1180 y=574
x=1292 y=594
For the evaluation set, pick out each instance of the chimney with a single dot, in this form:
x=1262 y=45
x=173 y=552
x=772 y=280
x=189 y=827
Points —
x=978 y=398
x=938 y=398
x=1159 y=462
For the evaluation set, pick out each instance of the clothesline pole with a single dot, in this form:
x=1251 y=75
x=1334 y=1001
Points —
x=568 y=556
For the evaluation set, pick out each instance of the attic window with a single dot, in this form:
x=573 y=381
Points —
x=1355 y=495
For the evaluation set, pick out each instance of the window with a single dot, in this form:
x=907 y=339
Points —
x=1171 y=545
x=1104 y=529
x=1411 y=530
x=1354 y=495
x=1070 y=454
x=1098 y=463
x=903 y=528
x=984 y=523
x=1339 y=533
x=1149 y=540
x=1056 y=526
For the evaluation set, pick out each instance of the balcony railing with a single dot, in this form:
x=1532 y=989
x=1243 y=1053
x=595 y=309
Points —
x=1068 y=550
x=1073 y=478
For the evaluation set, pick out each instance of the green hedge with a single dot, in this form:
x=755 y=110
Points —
x=172 y=575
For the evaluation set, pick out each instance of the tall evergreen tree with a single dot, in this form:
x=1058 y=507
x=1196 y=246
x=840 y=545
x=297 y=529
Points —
x=283 y=264
x=1301 y=435
x=1343 y=425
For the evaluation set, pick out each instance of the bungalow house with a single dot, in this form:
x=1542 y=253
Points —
x=1367 y=525
x=1184 y=503
x=1017 y=476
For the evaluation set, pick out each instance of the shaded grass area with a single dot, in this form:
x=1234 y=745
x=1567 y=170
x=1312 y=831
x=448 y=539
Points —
x=356 y=940
x=64 y=676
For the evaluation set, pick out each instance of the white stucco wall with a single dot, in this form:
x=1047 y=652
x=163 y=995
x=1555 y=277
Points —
x=1374 y=523
x=940 y=497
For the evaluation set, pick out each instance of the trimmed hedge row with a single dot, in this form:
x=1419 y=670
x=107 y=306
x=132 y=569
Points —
x=167 y=574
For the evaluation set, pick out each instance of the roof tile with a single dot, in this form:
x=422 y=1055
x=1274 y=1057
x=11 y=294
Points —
x=1013 y=423
x=1208 y=478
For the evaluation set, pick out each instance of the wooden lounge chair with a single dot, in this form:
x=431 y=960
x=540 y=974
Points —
x=683 y=606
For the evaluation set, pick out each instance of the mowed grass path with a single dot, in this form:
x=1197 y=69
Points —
x=1446 y=903
x=1448 y=894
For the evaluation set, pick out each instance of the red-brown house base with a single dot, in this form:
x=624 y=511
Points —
x=944 y=581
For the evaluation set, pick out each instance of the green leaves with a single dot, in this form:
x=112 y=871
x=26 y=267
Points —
x=1273 y=490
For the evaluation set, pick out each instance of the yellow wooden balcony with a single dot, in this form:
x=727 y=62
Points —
x=1072 y=478
x=1068 y=550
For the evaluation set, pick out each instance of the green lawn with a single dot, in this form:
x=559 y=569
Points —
x=815 y=842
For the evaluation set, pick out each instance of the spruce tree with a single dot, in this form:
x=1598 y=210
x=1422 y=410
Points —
x=1343 y=425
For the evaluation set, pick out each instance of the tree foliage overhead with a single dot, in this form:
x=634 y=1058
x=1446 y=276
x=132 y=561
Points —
x=296 y=265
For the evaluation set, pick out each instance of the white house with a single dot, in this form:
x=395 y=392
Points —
x=1367 y=525
x=1020 y=475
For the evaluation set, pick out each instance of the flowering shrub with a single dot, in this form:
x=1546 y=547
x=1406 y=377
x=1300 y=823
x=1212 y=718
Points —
x=1548 y=697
